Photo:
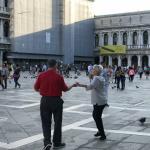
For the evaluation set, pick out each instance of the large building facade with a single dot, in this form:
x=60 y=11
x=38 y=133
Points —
x=43 y=29
x=4 y=30
x=130 y=29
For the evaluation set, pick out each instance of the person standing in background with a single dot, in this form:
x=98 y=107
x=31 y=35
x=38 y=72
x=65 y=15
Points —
x=16 y=76
x=1 y=78
x=5 y=74
x=131 y=73
x=140 y=72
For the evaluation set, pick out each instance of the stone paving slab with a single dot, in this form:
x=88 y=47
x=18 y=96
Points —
x=20 y=124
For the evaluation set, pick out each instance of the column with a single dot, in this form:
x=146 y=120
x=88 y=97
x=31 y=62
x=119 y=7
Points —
x=148 y=38
x=101 y=39
x=100 y=59
x=1 y=58
x=110 y=60
x=1 y=4
x=148 y=60
x=142 y=38
x=1 y=29
x=139 y=60
x=109 y=38
x=119 y=60
x=129 y=38
x=139 y=39
x=119 y=38
x=129 y=60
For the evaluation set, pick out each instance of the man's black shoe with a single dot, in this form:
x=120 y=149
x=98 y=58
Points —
x=107 y=105
x=97 y=134
x=47 y=147
x=102 y=138
x=60 y=145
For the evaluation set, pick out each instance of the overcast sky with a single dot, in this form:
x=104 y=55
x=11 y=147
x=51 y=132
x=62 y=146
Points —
x=102 y=7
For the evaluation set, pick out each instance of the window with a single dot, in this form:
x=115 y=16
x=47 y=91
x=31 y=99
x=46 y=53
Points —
x=96 y=40
x=110 y=21
x=102 y=22
x=124 y=42
x=130 y=20
x=145 y=38
x=105 y=39
x=120 y=20
x=6 y=29
x=6 y=3
x=141 y=19
x=115 y=39
x=134 y=38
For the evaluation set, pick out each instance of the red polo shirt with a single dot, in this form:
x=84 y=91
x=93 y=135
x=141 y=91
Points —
x=50 y=83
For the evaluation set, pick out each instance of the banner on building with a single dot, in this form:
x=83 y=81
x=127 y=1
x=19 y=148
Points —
x=113 y=49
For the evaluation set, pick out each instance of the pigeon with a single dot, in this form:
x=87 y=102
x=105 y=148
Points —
x=113 y=87
x=142 y=120
x=137 y=86
x=33 y=77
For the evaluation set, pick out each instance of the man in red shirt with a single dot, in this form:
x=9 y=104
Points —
x=50 y=86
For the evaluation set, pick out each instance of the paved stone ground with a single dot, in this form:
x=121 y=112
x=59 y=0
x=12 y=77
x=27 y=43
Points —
x=20 y=125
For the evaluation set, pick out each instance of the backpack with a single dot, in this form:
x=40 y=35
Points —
x=131 y=72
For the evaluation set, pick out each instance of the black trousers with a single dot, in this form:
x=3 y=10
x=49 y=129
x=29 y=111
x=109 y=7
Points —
x=5 y=81
x=141 y=73
x=1 y=83
x=123 y=83
x=97 y=115
x=118 y=82
x=16 y=82
x=131 y=77
x=51 y=106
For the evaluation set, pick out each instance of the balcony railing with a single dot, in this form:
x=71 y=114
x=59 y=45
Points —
x=4 y=40
x=138 y=46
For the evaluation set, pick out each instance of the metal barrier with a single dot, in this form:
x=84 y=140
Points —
x=138 y=46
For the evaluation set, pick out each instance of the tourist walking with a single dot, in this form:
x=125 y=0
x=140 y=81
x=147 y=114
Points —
x=140 y=72
x=106 y=73
x=98 y=99
x=118 y=78
x=50 y=85
x=1 y=78
x=131 y=74
x=122 y=78
x=5 y=74
x=16 y=76
x=147 y=72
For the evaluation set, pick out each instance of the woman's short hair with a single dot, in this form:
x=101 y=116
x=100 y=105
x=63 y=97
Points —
x=98 y=67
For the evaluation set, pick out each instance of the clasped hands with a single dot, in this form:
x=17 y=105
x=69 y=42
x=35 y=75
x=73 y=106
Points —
x=77 y=84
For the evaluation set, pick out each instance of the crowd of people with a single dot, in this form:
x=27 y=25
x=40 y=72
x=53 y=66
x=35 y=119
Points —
x=7 y=73
x=12 y=72
x=113 y=74
x=118 y=75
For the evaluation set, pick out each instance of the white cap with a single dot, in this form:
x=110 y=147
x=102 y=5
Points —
x=101 y=67
x=98 y=67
